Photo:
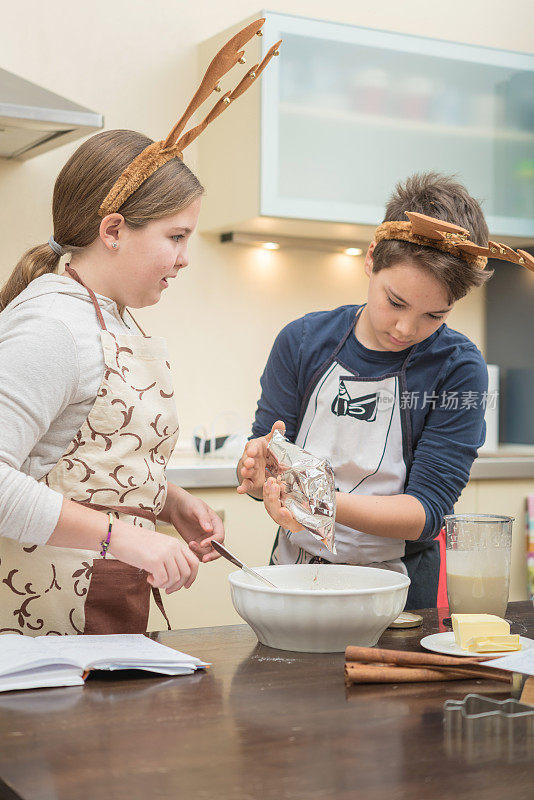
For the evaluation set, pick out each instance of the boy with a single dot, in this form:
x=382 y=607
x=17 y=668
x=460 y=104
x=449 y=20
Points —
x=391 y=395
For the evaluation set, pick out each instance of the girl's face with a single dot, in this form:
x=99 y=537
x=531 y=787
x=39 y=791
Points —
x=405 y=306
x=146 y=259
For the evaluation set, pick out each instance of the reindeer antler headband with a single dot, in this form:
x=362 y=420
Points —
x=158 y=153
x=451 y=239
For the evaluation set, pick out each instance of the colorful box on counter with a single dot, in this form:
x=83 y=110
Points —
x=530 y=545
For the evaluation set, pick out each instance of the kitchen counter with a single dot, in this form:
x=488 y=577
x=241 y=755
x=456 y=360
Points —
x=509 y=462
x=261 y=723
x=193 y=472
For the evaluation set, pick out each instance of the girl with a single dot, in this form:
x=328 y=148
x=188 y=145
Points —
x=87 y=410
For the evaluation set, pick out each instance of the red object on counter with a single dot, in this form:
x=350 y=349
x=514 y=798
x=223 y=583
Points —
x=443 y=601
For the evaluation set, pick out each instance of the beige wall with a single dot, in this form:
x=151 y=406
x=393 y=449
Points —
x=135 y=62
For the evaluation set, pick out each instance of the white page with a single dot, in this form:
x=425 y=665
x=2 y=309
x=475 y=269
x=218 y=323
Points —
x=22 y=652
x=522 y=661
x=60 y=660
x=41 y=678
x=126 y=649
x=42 y=682
x=166 y=670
x=156 y=666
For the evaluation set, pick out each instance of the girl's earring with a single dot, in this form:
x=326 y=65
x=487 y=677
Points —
x=114 y=245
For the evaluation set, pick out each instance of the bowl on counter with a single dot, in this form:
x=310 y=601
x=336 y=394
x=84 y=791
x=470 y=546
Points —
x=319 y=608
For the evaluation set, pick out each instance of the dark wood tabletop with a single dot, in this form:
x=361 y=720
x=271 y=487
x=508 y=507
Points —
x=260 y=724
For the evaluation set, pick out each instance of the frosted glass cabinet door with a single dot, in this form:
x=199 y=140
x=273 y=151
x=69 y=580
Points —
x=347 y=112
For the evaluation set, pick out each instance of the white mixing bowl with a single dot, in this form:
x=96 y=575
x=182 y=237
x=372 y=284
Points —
x=319 y=608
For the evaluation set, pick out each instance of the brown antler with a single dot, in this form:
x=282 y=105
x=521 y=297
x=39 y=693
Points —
x=227 y=57
x=433 y=228
x=158 y=153
x=225 y=101
x=500 y=251
x=457 y=236
x=449 y=238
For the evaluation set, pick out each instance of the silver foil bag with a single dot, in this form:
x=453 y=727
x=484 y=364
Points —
x=309 y=491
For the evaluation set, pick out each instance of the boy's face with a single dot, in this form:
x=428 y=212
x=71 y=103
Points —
x=405 y=305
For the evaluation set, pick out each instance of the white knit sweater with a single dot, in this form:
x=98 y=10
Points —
x=51 y=367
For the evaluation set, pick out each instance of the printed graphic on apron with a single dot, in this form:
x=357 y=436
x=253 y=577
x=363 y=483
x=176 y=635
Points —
x=364 y=407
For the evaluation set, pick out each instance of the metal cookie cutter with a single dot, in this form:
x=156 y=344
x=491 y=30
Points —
x=480 y=728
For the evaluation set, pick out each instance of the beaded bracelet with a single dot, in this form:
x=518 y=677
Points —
x=104 y=544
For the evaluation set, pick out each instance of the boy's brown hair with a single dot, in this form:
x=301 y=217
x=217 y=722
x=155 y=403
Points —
x=442 y=197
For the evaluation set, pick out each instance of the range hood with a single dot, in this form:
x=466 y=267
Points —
x=33 y=119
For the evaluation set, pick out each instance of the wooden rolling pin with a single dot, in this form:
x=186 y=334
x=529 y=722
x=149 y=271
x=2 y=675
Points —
x=376 y=665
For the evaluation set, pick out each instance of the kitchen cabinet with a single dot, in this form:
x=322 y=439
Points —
x=345 y=112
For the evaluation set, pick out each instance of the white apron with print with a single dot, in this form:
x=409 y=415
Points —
x=117 y=462
x=359 y=425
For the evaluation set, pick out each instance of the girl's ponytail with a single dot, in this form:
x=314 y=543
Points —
x=35 y=262
x=80 y=188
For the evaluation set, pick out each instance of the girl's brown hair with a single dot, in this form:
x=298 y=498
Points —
x=79 y=190
x=442 y=197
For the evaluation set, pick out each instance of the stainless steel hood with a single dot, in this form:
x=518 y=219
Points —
x=33 y=119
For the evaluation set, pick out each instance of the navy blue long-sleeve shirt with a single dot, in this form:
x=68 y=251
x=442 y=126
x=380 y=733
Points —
x=447 y=382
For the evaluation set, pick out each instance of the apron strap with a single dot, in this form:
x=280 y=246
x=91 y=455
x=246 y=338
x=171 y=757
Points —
x=348 y=332
x=73 y=274
x=133 y=511
x=320 y=371
x=136 y=322
x=408 y=357
x=156 y=594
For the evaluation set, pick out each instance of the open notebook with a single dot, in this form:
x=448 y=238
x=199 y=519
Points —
x=30 y=663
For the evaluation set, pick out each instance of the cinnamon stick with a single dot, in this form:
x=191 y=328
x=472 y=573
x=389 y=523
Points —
x=386 y=673
x=477 y=671
x=382 y=673
x=407 y=658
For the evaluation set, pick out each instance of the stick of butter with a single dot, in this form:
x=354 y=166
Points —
x=471 y=626
x=503 y=643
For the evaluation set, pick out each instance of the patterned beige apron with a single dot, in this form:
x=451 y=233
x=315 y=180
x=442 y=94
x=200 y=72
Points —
x=117 y=462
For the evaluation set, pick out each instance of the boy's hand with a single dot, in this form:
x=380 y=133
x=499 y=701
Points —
x=272 y=500
x=251 y=467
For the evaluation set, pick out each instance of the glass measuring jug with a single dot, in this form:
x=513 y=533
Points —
x=478 y=563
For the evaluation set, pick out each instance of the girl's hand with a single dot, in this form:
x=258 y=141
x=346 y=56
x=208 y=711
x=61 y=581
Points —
x=197 y=524
x=251 y=467
x=170 y=563
x=272 y=500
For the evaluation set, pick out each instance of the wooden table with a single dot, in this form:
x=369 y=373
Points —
x=260 y=724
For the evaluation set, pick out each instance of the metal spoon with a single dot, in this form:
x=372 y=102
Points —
x=230 y=557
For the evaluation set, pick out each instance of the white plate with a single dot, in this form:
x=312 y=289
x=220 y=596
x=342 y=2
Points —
x=444 y=643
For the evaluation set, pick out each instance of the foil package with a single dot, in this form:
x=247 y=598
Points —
x=309 y=491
